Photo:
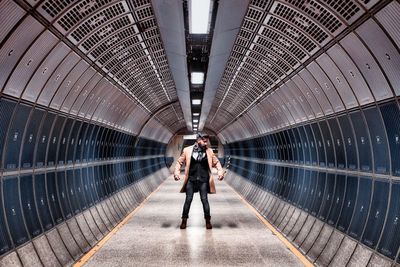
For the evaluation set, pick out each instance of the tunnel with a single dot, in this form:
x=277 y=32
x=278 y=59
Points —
x=300 y=99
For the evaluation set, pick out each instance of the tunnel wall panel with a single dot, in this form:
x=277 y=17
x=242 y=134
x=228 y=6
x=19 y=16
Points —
x=358 y=199
x=48 y=195
x=16 y=45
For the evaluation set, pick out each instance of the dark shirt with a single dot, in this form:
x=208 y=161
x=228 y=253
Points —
x=199 y=169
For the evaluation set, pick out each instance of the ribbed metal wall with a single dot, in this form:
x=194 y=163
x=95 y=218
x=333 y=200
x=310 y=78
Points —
x=307 y=107
x=79 y=149
x=66 y=183
x=340 y=175
x=318 y=155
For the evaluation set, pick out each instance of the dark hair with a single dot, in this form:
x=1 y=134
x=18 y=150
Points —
x=202 y=135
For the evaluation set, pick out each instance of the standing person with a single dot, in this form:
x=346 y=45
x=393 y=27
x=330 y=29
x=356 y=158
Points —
x=199 y=159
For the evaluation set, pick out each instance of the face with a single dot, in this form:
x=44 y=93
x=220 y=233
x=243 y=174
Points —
x=203 y=142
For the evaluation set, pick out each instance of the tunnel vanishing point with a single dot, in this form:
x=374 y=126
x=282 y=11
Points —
x=98 y=98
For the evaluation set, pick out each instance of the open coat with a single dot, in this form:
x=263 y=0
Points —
x=186 y=156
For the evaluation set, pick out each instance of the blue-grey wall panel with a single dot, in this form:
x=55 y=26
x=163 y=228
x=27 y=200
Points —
x=62 y=190
x=337 y=200
x=5 y=243
x=348 y=203
x=54 y=140
x=299 y=173
x=99 y=143
x=391 y=117
x=338 y=144
x=329 y=146
x=80 y=193
x=378 y=140
x=72 y=192
x=273 y=151
x=29 y=206
x=14 y=137
x=319 y=193
x=73 y=142
x=312 y=177
x=88 y=188
x=44 y=139
x=350 y=143
x=362 y=207
x=6 y=111
x=13 y=211
x=328 y=196
x=87 y=142
x=311 y=144
x=299 y=145
x=80 y=143
x=305 y=187
x=53 y=198
x=63 y=143
x=296 y=186
x=31 y=136
x=94 y=142
x=293 y=146
x=305 y=145
x=42 y=202
x=319 y=145
x=377 y=213
x=390 y=241
x=93 y=185
x=288 y=184
x=363 y=142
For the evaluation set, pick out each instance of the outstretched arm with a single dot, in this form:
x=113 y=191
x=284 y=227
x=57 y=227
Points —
x=178 y=165
x=217 y=164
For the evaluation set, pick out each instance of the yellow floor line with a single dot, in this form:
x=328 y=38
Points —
x=289 y=245
x=85 y=258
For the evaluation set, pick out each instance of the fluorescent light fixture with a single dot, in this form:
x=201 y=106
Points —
x=195 y=120
x=199 y=16
x=196 y=101
x=189 y=137
x=196 y=114
x=197 y=77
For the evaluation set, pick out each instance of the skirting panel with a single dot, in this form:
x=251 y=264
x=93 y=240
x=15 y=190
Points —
x=321 y=243
x=67 y=242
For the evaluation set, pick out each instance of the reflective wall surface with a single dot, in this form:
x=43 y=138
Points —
x=340 y=172
x=304 y=95
x=60 y=172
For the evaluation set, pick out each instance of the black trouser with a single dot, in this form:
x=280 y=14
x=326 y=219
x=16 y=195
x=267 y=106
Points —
x=191 y=187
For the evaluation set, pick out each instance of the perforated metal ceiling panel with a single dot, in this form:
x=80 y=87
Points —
x=57 y=78
x=67 y=85
x=76 y=89
x=368 y=66
x=277 y=38
x=28 y=64
x=383 y=50
x=16 y=45
x=14 y=14
x=122 y=38
x=45 y=70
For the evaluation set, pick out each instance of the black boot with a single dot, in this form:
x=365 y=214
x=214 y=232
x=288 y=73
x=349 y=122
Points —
x=183 y=224
x=208 y=222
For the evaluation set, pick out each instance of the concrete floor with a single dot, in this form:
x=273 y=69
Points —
x=152 y=236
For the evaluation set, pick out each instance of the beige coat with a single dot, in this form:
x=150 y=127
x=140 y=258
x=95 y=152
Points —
x=186 y=156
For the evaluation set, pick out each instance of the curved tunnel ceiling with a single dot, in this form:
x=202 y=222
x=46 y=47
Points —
x=294 y=61
x=303 y=95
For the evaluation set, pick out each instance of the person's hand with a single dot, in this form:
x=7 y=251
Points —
x=220 y=177
x=177 y=177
